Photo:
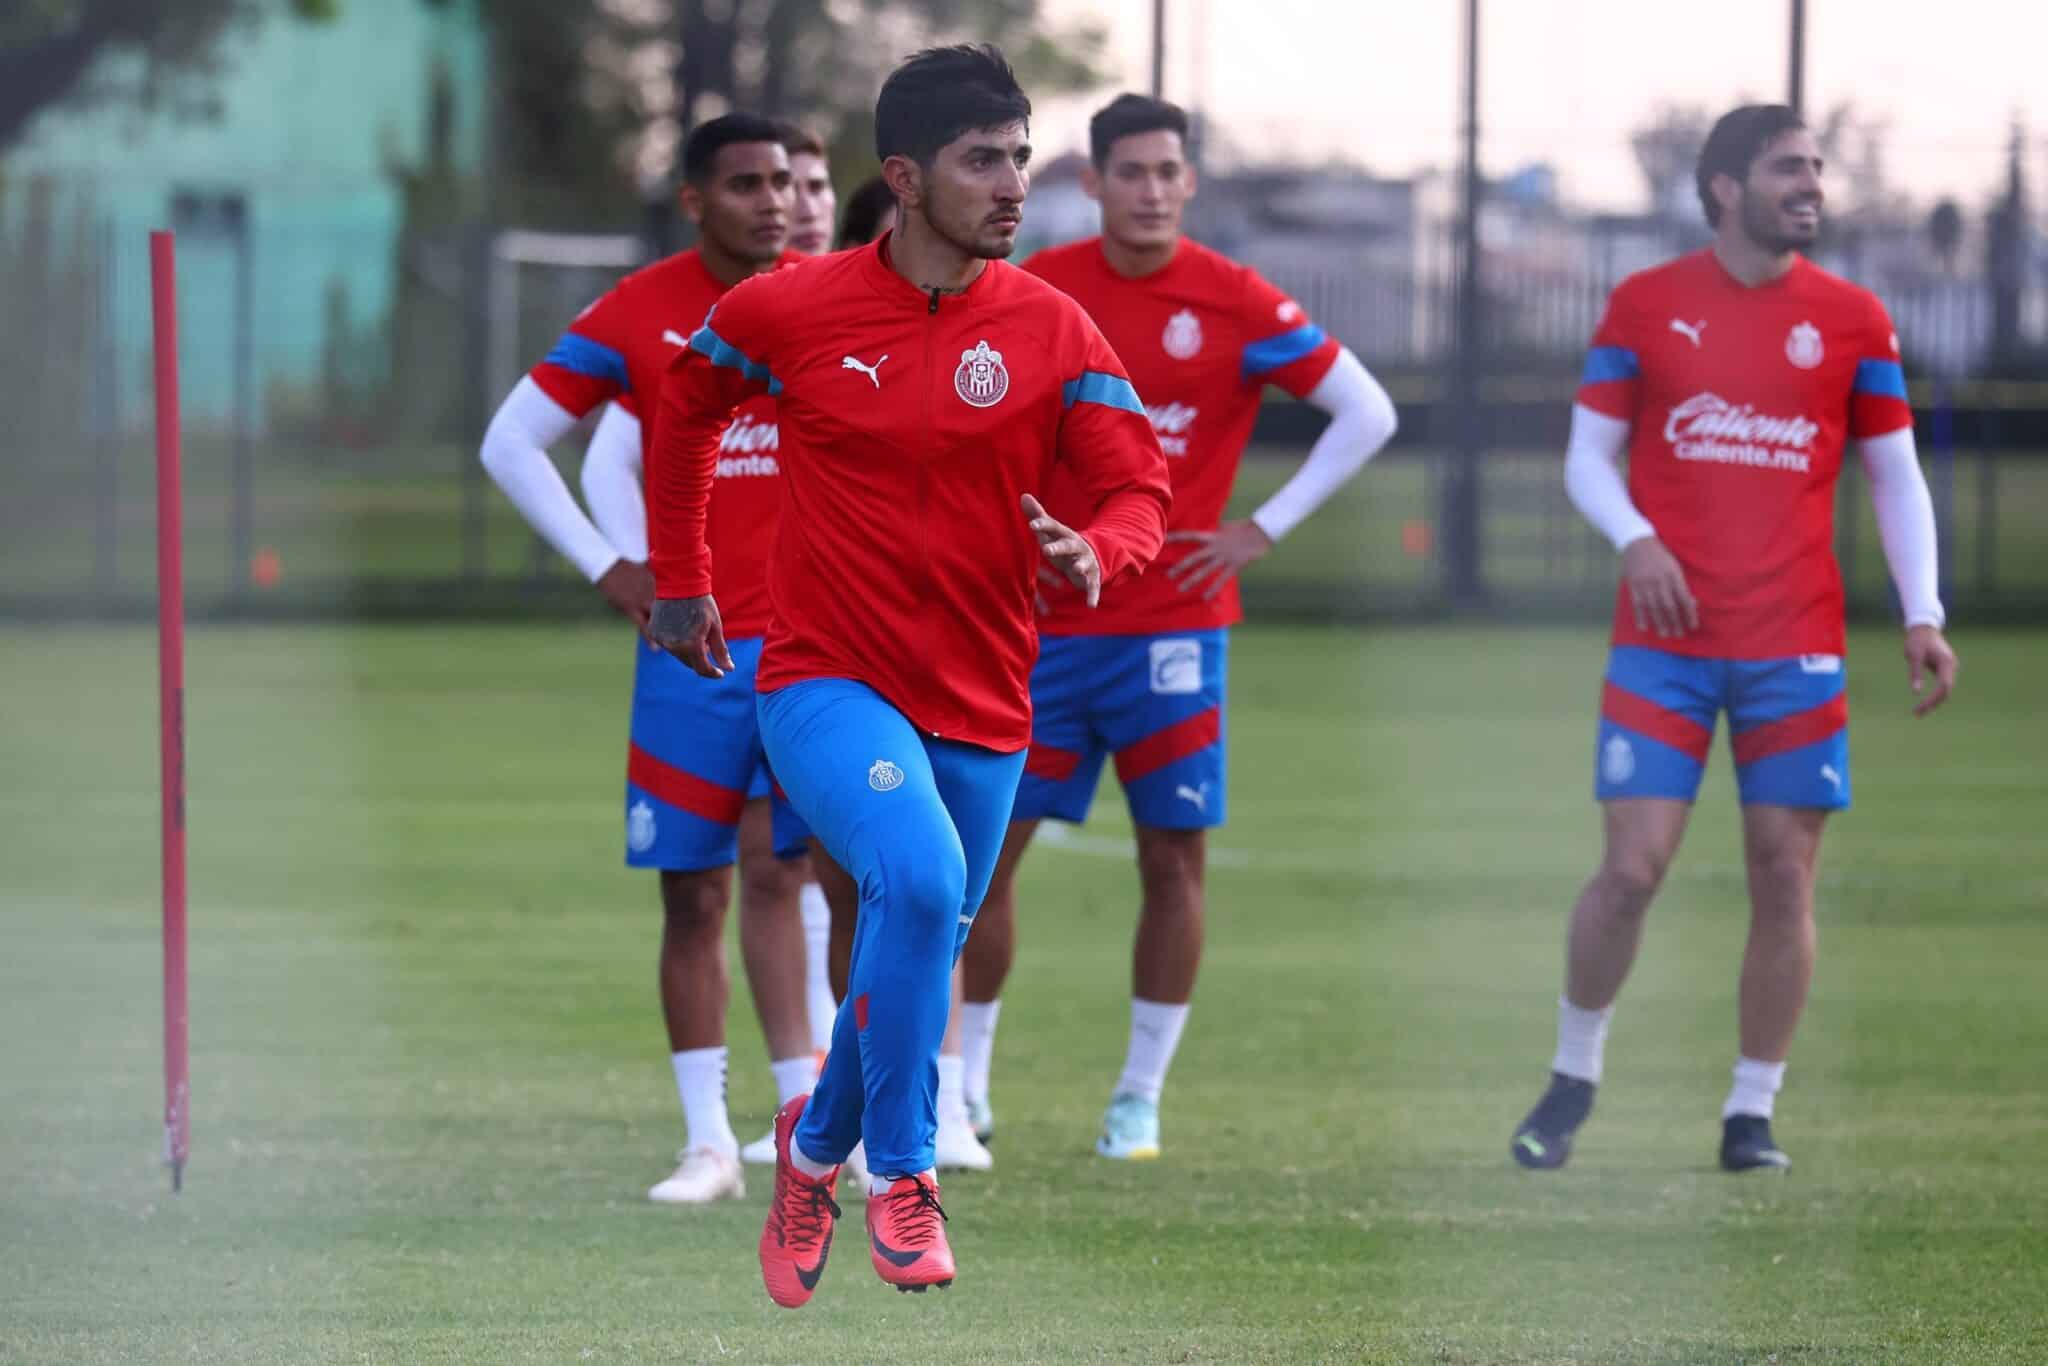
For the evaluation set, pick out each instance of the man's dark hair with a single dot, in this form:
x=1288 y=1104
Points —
x=1130 y=114
x=1737 y=140
x=798 y=141
x=941 y=93
x=862 y=221
x=708 y=139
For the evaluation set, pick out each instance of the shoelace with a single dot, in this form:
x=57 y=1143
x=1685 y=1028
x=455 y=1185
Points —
x=925 y=1202
x=803 y=1212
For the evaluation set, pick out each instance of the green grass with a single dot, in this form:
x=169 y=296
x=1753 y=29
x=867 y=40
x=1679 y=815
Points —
x=429 y=1088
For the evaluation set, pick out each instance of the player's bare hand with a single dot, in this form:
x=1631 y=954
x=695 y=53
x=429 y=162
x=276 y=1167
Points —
x=1929 y=660
x=1656 y=585
x=690 y=629
x=629 y=587
x=1066 y=550
x=1218 y=556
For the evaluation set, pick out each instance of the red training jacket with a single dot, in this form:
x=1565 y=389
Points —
x=912 y=424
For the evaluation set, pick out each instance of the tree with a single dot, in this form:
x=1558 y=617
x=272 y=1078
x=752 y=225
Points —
x=1666 y=150
x=51 y=52
x=597 y=88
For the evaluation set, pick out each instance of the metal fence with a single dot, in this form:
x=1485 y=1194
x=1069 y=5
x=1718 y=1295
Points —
x=335 y=391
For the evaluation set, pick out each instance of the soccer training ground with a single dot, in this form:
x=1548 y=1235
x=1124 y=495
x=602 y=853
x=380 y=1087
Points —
x=429 y=1087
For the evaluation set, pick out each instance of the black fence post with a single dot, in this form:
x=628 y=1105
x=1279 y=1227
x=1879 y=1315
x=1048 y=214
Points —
x=1459 y=512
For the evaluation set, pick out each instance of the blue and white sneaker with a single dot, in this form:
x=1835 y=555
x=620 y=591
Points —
x=1130 y=1130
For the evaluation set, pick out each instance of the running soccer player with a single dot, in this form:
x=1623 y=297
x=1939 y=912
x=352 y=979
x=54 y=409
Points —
x=1142 y=677
x=927 y=392
x=697 y=789
x=1732 y=377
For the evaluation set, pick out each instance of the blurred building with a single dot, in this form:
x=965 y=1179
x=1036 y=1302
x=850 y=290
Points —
x=288 y=192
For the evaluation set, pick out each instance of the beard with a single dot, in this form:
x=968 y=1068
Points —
x=978 y=240
x=1762 y=223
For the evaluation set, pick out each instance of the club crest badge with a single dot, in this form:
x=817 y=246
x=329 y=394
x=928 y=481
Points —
x=640 y=828
x=1183 y=338
x=1802 y=346
x=981 y=380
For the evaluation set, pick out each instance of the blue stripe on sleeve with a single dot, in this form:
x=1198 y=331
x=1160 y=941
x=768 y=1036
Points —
x=719 y=351
x=1882 y=378
x=1264 y=357
x=1605 y=364
x=586 y=357
x=1111 y=391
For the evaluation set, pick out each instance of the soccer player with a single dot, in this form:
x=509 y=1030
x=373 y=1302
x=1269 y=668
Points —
x=1142 y=677
x=810 y=221
x=1732 y=377
x=870 y=212
x=697 y=788
x=927 y=392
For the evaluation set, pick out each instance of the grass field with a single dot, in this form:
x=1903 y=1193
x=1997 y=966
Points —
x=429 y=1088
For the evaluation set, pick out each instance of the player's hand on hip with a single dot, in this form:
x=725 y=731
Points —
x=1066 y=550
x=629 y=587
x=1218 y=555
x=1929 y=659
x=689 y=629
x=1656 y=586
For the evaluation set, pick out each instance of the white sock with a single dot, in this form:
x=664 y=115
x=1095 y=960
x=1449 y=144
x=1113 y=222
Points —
x=817 y=965
x=978 y=1044
x=1581 y=1041
x=879 y=1184
x=700 y=1082
x=793 y=1077
x=1755 y=1091
x=1155 y=1034
x=952 y=1099
x=805 y=1163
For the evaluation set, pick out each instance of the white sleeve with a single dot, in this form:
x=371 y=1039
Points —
x=611 y=482
x=1592 y=477
x=1361 y=421
x=1905 y=523
x=515 y=452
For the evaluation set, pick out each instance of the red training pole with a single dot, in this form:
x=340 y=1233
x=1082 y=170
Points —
x=170 y=632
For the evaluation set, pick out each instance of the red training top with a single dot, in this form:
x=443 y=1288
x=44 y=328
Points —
x=1741 y=398
x=617 y=349
x=912 y=424
x=1203 y=337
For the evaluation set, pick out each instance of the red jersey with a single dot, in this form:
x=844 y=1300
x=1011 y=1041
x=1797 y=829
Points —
x=1202 y=337
x=1741 y=399
x=617 y=349
x=912 y=424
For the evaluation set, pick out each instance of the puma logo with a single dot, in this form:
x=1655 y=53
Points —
x=1690 y=331
x=1198 y=795
x=1828 y=771
x=849 y=363
x=673 y=337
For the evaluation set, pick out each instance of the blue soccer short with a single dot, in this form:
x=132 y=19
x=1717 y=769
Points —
x=1788 y=724
x=1154 y=701
x=694 y=762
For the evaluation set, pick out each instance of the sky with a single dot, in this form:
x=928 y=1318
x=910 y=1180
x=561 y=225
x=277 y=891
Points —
x=1378 y=81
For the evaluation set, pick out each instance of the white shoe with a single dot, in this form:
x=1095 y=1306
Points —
x=700 y=1178
x=761 y=1152
x=853 y=1173
x=956 y=1147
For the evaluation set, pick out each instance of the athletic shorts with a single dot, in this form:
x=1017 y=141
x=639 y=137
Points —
x=694 y=762
x=1788 y=724
x=1155 y=702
